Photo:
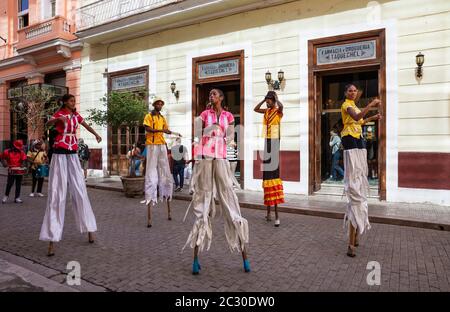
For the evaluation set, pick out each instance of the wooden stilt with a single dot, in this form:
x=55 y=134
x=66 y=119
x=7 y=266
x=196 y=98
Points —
x=149 y=216
x=168 y=211
x=91 y=237
x=50 y=252
x=351 y=246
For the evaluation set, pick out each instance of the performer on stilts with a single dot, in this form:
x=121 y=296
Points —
x=212 y=179
x=356 y=185
x=66 y=175
x=272 y=184
x=158 y=178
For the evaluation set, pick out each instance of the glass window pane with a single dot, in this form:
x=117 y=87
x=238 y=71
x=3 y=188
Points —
x=23 y=5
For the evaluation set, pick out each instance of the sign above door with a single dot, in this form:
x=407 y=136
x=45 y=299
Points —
x=355 y=51
x=218 y=69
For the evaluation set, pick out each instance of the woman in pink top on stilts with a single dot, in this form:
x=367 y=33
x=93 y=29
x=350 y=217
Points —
x=212 y=179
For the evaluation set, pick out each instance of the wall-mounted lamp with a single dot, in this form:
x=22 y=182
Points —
x=3 y=39
x=173 y=87
x=420 y=59
x=274 y=84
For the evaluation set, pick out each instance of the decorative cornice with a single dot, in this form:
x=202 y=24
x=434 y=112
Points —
x=76 y=64
x=72 y=45
x=16 y=61
x=34 y=75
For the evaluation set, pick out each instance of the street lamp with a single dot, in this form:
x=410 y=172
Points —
x=274 y=84
x=173 y=87
x=420 y=59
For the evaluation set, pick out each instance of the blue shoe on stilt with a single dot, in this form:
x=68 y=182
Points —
x=246 y=265
x=195 y=267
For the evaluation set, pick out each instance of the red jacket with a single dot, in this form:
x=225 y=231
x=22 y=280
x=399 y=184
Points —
x=14 y=158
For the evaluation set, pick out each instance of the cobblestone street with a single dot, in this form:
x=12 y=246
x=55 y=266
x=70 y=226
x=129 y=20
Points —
x=304 y=254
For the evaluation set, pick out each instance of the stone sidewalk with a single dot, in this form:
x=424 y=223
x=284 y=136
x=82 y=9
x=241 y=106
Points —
x=428 y=216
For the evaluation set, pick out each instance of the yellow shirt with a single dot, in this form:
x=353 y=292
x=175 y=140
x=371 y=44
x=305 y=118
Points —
x=271 y=122
x=351 y=127
x=156 y=122
x=39 y=160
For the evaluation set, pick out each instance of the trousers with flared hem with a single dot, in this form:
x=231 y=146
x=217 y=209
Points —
x=158 y=178
x=66 y=176
x=356 y=189
x=212 y=179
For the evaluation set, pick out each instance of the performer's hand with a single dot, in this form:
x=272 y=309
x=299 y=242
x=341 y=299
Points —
x=375 y=103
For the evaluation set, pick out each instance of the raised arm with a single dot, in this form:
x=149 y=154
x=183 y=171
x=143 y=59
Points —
x=372 y=118
x=279 y=104
x=364 y=112
x=258 y=108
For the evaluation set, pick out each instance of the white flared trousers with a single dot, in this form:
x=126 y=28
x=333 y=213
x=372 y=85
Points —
x=356 y=188
x=66 y=175
x=212 y=179
x=157 y=175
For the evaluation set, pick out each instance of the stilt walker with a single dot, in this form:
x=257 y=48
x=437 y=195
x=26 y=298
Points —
x=356 y=185
x=212 y=179
x=158 y=178
x=272 y=184
x=66 y=175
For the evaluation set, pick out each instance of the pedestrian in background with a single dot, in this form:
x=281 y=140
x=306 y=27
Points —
x=179 y=156
x=335 y=144
x=84 y=155
x=37 y=157
x=15 y=159
x=232 y=157
x=135 y=157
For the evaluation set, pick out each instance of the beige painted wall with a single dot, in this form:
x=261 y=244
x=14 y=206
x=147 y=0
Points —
x=423 y=109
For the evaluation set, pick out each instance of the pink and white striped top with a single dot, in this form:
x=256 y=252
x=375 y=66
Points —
x=213 y=144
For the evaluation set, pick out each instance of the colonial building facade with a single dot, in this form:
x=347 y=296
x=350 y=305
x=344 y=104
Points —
x=307 y=51
x=38 y=47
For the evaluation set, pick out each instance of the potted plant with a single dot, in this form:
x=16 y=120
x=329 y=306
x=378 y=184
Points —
x=122 y=109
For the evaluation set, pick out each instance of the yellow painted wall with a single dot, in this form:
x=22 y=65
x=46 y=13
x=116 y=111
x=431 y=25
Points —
x=423 y=109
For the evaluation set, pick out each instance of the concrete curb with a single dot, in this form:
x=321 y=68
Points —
x=40 y=275
x=316 y=212
x=31 y=279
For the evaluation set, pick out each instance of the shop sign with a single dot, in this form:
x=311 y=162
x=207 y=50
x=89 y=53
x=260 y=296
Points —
x=218 y=69
x=355 y=51
x=131 y=81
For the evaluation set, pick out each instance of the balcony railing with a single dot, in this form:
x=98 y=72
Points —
x=57 y=27
x=105 y=11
